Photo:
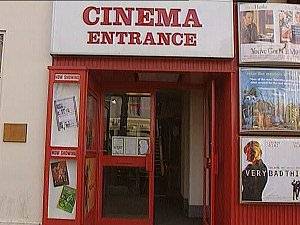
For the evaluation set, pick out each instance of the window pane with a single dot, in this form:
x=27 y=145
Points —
x=127 y=124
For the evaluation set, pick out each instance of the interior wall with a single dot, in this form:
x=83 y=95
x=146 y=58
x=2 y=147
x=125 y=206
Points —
x=196 y=148
x=192 y=146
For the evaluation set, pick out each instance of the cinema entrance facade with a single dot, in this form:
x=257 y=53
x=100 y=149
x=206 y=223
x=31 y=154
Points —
x=142 y=112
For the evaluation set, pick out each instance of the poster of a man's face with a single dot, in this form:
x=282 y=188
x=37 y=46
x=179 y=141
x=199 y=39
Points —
x=256 y=26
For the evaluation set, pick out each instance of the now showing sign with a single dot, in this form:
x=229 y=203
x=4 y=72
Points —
x=143 y=28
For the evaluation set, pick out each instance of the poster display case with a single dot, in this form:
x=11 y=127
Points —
x=269 y=169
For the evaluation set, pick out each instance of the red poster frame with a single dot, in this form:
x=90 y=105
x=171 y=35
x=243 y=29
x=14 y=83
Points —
x=82 y=72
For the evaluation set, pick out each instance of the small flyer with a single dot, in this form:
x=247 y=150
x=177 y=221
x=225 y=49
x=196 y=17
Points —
x=67 y=199
x=143 y=146
x=66 y=113
x=130 y=146
x=117 y=145
x=60 y=173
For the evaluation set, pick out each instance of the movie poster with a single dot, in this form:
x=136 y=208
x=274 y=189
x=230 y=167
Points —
x=269 y=32
x=59 y=173
x=67 y=199
x=270 y=170
x=269 y=99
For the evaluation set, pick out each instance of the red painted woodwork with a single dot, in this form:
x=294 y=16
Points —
x=213 y=153
x=201 y=71
x=146 y=64
x=79 y=156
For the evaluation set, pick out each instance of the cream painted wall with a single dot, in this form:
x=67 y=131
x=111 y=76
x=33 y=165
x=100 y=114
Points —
x=196 y=148
x=192 y=148
x=23 y=100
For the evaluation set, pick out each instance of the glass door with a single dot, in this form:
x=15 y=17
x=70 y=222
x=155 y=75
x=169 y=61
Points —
x=126 y=161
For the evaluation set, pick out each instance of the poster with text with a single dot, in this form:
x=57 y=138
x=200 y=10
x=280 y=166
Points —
x=269 y=100
x=117 y=145
x=269 y=32
x=270 y=169
x=65 y=115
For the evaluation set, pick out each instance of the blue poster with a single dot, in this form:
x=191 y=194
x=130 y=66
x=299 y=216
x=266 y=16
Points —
x=269 y=99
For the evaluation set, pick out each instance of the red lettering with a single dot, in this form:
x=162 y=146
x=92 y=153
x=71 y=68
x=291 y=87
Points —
x=106 y=11
x=174 y=39
x=121 y=35
x=171 y=19
x=134 y=38
x=193 y=18
x=149 y=40
x=107 y=37
x=144 y=17
x=190 y=39
x=163 y=38
x=93 y=37
x=86 y=15
x=120 y=14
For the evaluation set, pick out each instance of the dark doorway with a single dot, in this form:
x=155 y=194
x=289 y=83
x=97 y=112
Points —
x=169 y=202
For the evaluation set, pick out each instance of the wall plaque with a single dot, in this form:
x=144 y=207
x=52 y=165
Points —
x=15 y=132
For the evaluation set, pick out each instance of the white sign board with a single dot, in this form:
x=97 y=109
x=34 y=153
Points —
x=269 y=32
x=143 y=28
x=270 y=169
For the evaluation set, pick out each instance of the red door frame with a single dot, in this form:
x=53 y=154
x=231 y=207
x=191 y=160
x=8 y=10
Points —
x=144 y=162
x=69 y=64
x=210 y=163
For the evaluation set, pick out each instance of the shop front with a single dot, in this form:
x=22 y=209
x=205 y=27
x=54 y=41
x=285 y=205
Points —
x=138 y=103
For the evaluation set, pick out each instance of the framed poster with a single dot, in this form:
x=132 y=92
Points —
x=269 y=33
x=269 y=100
x=269 y=169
